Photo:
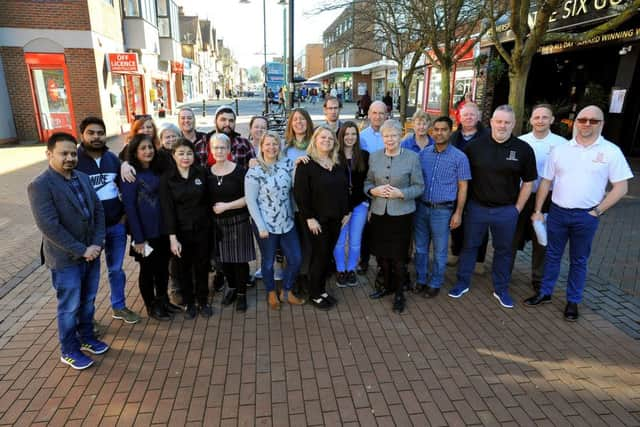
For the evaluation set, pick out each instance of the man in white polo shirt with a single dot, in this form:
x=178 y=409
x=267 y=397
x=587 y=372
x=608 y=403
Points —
x=580 y=171
x=542 y=140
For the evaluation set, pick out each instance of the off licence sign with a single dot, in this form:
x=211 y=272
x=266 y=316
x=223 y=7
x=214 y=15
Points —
x=119 y=62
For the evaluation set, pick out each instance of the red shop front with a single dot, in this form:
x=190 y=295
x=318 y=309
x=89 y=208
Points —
x=51 y=93
x=128 y=92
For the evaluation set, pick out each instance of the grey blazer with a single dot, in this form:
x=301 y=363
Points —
x=66 y=233
x=402 y=171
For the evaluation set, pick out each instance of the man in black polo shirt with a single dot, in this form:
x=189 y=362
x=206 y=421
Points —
x=499 y=162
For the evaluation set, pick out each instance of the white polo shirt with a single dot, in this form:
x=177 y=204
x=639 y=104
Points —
x=581 y=174
x=542 y=148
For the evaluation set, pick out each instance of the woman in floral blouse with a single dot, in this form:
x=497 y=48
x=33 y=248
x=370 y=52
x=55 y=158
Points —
x=268 y=196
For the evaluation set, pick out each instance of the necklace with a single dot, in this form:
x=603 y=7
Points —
x=219 y=179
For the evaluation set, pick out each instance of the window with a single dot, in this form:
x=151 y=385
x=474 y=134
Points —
x=132 y=7
x=162 y=8
x=164 y=29
x=462 y=85
x=433 y=103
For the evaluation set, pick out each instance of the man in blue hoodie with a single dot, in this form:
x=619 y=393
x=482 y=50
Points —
x=103 y=168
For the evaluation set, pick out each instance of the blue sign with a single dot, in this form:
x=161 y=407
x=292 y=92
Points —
x=275 y=76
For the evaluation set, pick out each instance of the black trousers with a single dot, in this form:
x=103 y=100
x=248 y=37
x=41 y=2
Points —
x=524 y=232
x=365 y=242
x=154 y=271
x=322 y=246
x=237 y=274
x=394 y=272
x=193 y=266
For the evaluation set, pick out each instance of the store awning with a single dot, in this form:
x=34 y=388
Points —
x=383 y=64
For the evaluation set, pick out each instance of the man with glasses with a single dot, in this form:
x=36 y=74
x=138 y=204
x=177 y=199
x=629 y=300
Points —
x=580 y=171
x=331 y=109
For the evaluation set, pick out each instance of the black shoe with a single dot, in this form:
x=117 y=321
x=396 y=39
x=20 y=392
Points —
x=241 y=303
x=159 y=313
x=341 y=279
x=229 y=297
x=399 y=304
x=431 y=292
x=206 y=310
x=332 y=300
x=352 y=279
x=537 y=299
x=172 y=308
x=362 y=269
x=571 y=312
x=419 y=288
x=321 y=304
x=379 y=294
x=191 y=311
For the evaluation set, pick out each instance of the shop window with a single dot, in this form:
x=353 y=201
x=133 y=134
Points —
x=433 y=103
x=462 y=84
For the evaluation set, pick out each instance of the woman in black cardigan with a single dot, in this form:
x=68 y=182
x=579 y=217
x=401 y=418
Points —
x=321 y=192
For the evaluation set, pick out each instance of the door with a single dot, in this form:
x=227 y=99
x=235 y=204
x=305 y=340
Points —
x=51 y=94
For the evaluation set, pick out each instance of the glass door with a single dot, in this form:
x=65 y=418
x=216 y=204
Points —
x=51 y=94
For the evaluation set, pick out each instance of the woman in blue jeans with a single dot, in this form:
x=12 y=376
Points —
x=268 y=195
x=356 y=160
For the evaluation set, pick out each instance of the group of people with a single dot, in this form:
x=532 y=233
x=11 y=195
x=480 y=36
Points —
x=325 y=199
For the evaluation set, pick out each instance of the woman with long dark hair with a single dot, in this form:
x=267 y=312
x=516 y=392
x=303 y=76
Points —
x=150 y=243
x=356 y=161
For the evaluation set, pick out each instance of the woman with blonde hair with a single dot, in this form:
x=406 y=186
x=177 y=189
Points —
x=419 y=138
x=268 y=189
x=321 y=193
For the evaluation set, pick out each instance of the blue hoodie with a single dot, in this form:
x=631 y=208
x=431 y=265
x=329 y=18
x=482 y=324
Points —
x=104 y=179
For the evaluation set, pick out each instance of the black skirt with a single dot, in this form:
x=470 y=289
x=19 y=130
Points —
x=391 y=235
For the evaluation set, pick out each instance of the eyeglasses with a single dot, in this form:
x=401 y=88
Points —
x=584 y=121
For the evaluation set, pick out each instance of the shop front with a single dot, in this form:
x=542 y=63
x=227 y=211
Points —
x=127 y=89
x=160 y=92
x=51 y=93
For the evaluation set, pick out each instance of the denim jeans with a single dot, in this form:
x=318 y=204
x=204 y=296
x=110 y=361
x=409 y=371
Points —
x=431 y=225
x=290 y=245
x=76 y=288
x=351 y=231
x=501 y=220
x=578 y=227
x=114 y=250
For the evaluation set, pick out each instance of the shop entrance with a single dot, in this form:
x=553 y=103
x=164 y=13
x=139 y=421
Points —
x=50 y=90
x=128 y=91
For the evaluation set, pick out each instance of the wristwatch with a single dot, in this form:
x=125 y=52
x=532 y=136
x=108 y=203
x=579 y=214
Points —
x=597 y=211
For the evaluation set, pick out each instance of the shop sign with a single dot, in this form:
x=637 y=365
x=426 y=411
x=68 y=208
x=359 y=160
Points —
x=123 y=62
x=621 y=36
x=381 y=74
x=177 y=67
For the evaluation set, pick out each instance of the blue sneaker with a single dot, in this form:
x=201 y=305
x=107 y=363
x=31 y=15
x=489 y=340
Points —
x=458 y=291
x=505 y=299
x=76 y=359
x=94 y=346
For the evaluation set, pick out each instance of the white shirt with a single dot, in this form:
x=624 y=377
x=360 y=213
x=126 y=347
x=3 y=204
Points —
x=581 y=174
x=542 y=148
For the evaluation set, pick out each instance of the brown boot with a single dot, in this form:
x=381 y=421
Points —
x=291 y=298
x=274 y=302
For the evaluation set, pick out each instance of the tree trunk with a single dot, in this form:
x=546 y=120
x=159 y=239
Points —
x=517 y=87
x=403 y=95
x=445 y=89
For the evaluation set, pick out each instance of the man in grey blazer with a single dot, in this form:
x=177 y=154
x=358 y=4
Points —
x=70 y=216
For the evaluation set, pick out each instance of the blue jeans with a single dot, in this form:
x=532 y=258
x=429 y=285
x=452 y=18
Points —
x=352 y=231
x=578 y=227
x=431 y=225
x=290 y=246
x=76 y=288
x=114 y=249
x=501 y=220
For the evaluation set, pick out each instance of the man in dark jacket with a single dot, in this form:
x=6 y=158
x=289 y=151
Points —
x=103 y=169
x=70 y=216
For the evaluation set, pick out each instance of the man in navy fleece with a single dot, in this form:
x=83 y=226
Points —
x=103 y=168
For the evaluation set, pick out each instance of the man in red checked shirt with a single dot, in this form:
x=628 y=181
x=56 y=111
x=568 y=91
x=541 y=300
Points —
x=241 y=149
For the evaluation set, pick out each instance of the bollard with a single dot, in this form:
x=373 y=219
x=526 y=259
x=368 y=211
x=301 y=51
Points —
x=237 y=110
x=204 y=108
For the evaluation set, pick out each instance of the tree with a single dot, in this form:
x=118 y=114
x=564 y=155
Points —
x=528 y=39
x=387 y=28
x=450 y=29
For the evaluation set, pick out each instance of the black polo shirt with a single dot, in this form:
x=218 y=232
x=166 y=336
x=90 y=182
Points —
x=497 y=169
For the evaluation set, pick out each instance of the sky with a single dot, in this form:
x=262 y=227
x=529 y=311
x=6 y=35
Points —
x=240 y=25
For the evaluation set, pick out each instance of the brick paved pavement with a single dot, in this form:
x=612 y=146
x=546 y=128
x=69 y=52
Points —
x=443 y=362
